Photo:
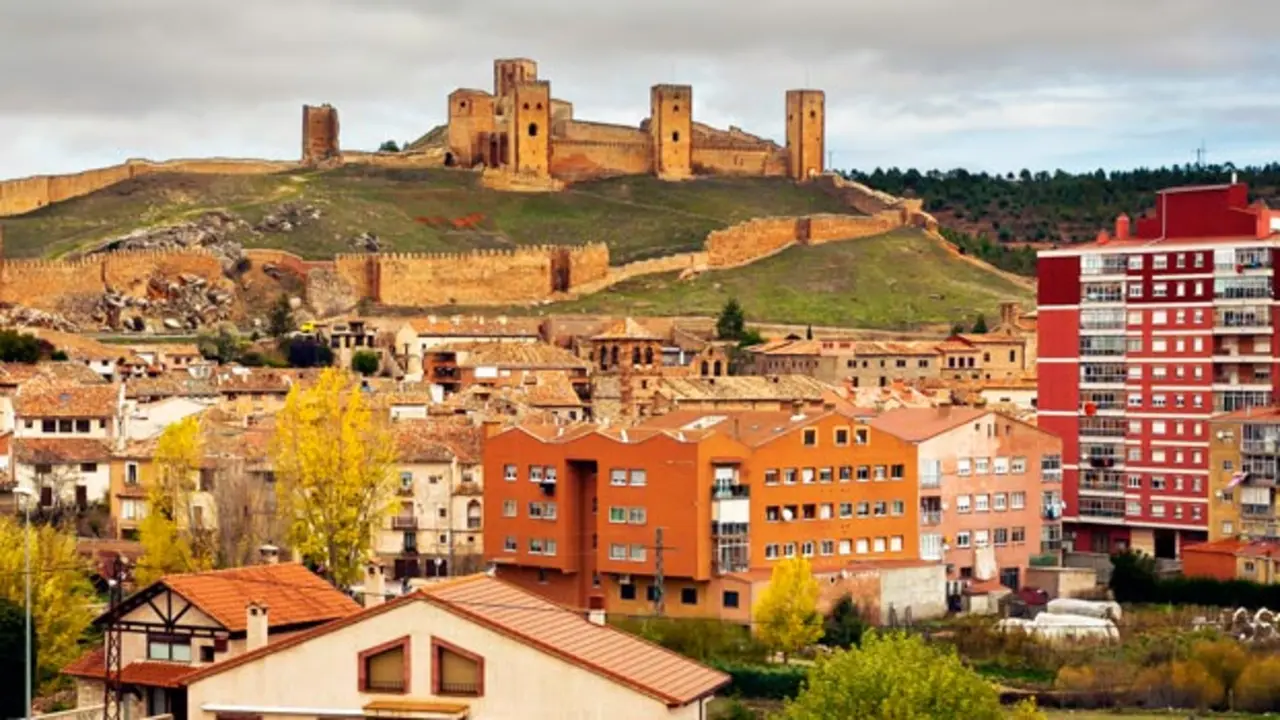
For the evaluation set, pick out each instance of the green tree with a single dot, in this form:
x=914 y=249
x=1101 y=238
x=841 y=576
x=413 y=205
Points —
x=222 y=345
x=172 y=541
x=19 y=347
x=333 y=463
x=389 y=146
x=12 y=648
x=732 y=323
x=58 y=356
x=307 y=352
x=787 y=613
x=957 y=329
x=62 y=596
x=808 y=333
x=365 y=362
x=896 y=677
x=280 y=321
x=844 y=625
x=980 y=325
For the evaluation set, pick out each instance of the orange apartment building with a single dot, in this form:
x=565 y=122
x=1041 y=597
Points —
x=574 y=512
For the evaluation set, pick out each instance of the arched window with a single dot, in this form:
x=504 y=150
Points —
x=614 y=355
x=706 y=368
x=473 y=514
x=717 y=368
x=648 y=356
x=635 y=356
x=604 y=357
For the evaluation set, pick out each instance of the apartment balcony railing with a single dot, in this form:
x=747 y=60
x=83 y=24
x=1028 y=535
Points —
x=1114 y=265
x=930 y=481
x=726 y=492
x=458 y=688
x=467 y=488
x=1242 y=317
x=1102 y=484
x=1103 y=293
x=1051 y=476
x=1102 y=319
x=1249 y=288
x=1232 y=400
x=404 y=522
x=726 y=529
x=387 y=686
x=930 y=517
x=1257 y=512
x=1260 y=446
x=1252 y=259
x=1101 y=511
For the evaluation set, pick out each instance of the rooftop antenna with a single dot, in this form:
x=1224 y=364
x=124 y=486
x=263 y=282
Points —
x=1200 y=154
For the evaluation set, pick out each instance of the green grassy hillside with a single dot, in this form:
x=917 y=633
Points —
x=639 y=217
x=900 y=280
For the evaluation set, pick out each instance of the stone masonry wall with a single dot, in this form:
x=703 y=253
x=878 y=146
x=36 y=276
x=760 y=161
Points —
x=52 y=284
x=588 y=263
x=578 y=160
x=481 y=277
x=739 y=160
x=751 y=240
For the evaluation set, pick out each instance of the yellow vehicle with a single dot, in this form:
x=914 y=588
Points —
x=307 y=327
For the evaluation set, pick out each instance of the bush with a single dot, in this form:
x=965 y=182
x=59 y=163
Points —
x=1225 y=659
x=765 y=682
x=1256 y=689
x=365 y=362
x=305 y=352
x=704 y=640
x=735 y=709
x=844 y=625
x=1184 y=684
x=1134 y=580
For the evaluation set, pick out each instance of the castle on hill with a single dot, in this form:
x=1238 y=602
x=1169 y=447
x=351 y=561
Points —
x=521 y=129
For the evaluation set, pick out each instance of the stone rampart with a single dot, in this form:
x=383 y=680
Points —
x=588 y=264
x=287 y=260
x=476 y=278
x=130 y=272
x=739 y=159
x=579 y=160
x=829 y=227
x=749 y=241
x=597 y=132
x=52 y=284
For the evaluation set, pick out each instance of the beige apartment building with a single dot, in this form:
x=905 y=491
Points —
x=1244 y=468
x=990 y=486
x=836 y=360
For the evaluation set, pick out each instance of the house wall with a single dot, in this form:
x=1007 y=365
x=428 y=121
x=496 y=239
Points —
x=97 y=482
x=435 y=487
x=995 y=436
x=519 y=681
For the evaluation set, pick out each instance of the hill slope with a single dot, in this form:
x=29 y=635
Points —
x=898 y=281
x=417 y=211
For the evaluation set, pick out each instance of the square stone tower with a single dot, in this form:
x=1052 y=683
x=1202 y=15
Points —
x=319 y=134
x=470 y=127
x=806 y=133
x=530 y=128
x=510 y=72
x=671 y=126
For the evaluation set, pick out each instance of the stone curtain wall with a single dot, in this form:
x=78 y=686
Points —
x=588 y=264
x=24 y=195
x=739 y=160
x=749 y=241
x=49 y=284
x=581 y=160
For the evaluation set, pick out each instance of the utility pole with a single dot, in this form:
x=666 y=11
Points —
x=112 y=691
x=659 y=592
x=1200 y=154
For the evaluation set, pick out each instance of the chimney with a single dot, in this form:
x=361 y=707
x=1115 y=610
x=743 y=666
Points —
x=256 y=625
x=269 y=554
x=1009 y=313
x=595 y=617
x=1122 y=227
x=375 y=585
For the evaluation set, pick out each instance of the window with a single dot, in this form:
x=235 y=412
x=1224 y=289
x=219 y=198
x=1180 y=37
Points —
x=1135 y=290
x=789 y=476
x=895 y=543
x=806 y=476
x=688 y=596
x=617 y=515
x=770 y=477
x=789 y=550
x=638 y=553
x=864 y=473
x=880 y=473
x=627 y=591
x=82 y=426
x=1018 y=535
x=509 y=508
x=824 y=511
x=878 y=544
x=510 y=544
x=864 y=509
x=771 y=513
x=962 y=539
x=535 y=473
x=771 y=551
x=617 y=551
x=897 y=472
x=730 y=598
x=383 y=668
x=617 y=477
x=1159 y=262
x=980 y=538
x=881 y=508
x=999 y=501
x=638 y=478
x=981 y=503
x=898 y=508
x=1001 y=536
x=455 y=671
x=981 y=466
x=1157 y=509
x=862 y=546
x=846 y=547
x=861 y=436
x=827 y=547
x=171 y=648
x=637 y=516
x=535 y=546
x=1000 y=466
x=842 y=437
x=1017 y=500
x=846 y=473
x=806 y=548
x=962 y=503
x=824 y=475
x=810 y=437
x=962 y=467
x=131 y=473
x=1135 y=262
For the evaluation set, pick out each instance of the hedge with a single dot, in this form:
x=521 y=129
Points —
x=1134 y=580
x=764 y=682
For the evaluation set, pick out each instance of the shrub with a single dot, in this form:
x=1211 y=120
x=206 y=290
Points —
x=1256 y=689
x=704 y=640
x=1075 y=679
x=735 y=709
x=766 y=682
x=1184 y=684
x=1225 y=659
x=365 y=362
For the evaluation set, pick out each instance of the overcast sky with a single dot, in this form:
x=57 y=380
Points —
x=984 y=84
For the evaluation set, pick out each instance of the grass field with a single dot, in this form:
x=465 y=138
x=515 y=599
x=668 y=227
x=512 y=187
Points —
x=899 y=280
x=638 y=217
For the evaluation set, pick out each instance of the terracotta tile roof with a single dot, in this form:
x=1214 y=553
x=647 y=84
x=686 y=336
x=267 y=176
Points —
x=151 y=674
x=991 y=338
x=166 y=349
x=753 y=428
x=745 y=387
x=169 y=385
x=788 y=347
x=955 y=346
x=511 y=355
x=916 y=424
x=80 y=347
x=533 y=621
x=458 y=326
x=262 y=380
x=60 y=451
x=438 y=440
x=1240 y=548
x=61 y=400
x=627 y=329
x=12 y=374
x=1258 y=415
x=876 y=348
x=293 y=594
x=550 y=389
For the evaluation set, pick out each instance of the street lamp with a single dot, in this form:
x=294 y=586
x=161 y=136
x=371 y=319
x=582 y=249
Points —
x=28 y=496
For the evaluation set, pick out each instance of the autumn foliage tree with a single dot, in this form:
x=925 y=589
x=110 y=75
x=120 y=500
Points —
x=787 y=613
x=172 y=538
x=333 y=465
x=898 y=677
x=62 y=597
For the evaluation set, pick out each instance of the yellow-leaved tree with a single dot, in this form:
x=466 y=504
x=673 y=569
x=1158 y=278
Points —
x=174 y=533
x=787 y=617
x=333 y=465
x=61 y=594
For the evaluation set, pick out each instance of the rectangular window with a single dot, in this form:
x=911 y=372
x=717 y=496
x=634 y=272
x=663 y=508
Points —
x=637 y=516
x=730 y=598
x=535 y=473
x=811 y=437
x=846 y=510
x=898 y=508
x=617 y=477
x=509 y=544
x=897 y=472
x=1000 y=466
x=881 y=508
x=962 y=539
x=861 y=436
x=772 y=513
x=962 y=467
x=878 y=544
x=1018 y=500
x=637 y=553
x=864 y=473
x=638 y=478
x=824 y=475
x=771 y=477
x=980 y=466
x=879 y=473
x=999 y=502
x=771 y=551
x=617 y=515
x=846 y=547
x=864 y=509
x=863 y=546
x=508 y=508
x=846 y=473
x=169 y=648
x=962 y=503
x=789 y=476
x=806 y=476
x=842 y=437
x=824 y=511
x=895 y=543
x=806 y=548
x=981 y=503
x=1018 y=535
x=1001 y=536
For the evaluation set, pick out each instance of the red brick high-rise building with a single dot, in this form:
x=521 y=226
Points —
x=1143 y=335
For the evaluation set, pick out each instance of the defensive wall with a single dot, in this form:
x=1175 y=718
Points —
x=52 y=284
x=24 y=195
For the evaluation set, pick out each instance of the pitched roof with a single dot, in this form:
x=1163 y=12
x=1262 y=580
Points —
x=459 y=326
x=80 y=347
x=991 y=338
x=626 y=329
x=61 y=400
x=294 y=594
x=746 y=387
x=58 y=371
x=438 y=440
x=753 y=427
x=538 y=623
x=511 y=354
x=169 y=385
x=151 y=674
x=915 y=424
x=885 y=347
x=60 y=451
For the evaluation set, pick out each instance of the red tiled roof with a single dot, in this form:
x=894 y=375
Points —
x=529 y=619
x=915 y=424
x=60 y=451
x=627 y=329
x=293 y=594
x=151 y=674
x=39 y=400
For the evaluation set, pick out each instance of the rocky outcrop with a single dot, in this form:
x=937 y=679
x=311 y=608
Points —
x=211 y=231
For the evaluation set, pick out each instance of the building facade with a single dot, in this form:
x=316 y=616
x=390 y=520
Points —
x=1143 y=335
x=1244 y=466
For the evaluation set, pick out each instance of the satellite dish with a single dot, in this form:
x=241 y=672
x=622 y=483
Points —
x=787 y=515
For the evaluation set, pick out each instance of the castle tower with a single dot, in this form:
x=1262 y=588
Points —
x=510 y=72
x=671 y=126
x=529 y=129
x=470 y=128
x=319 y=134
x=806 y=133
